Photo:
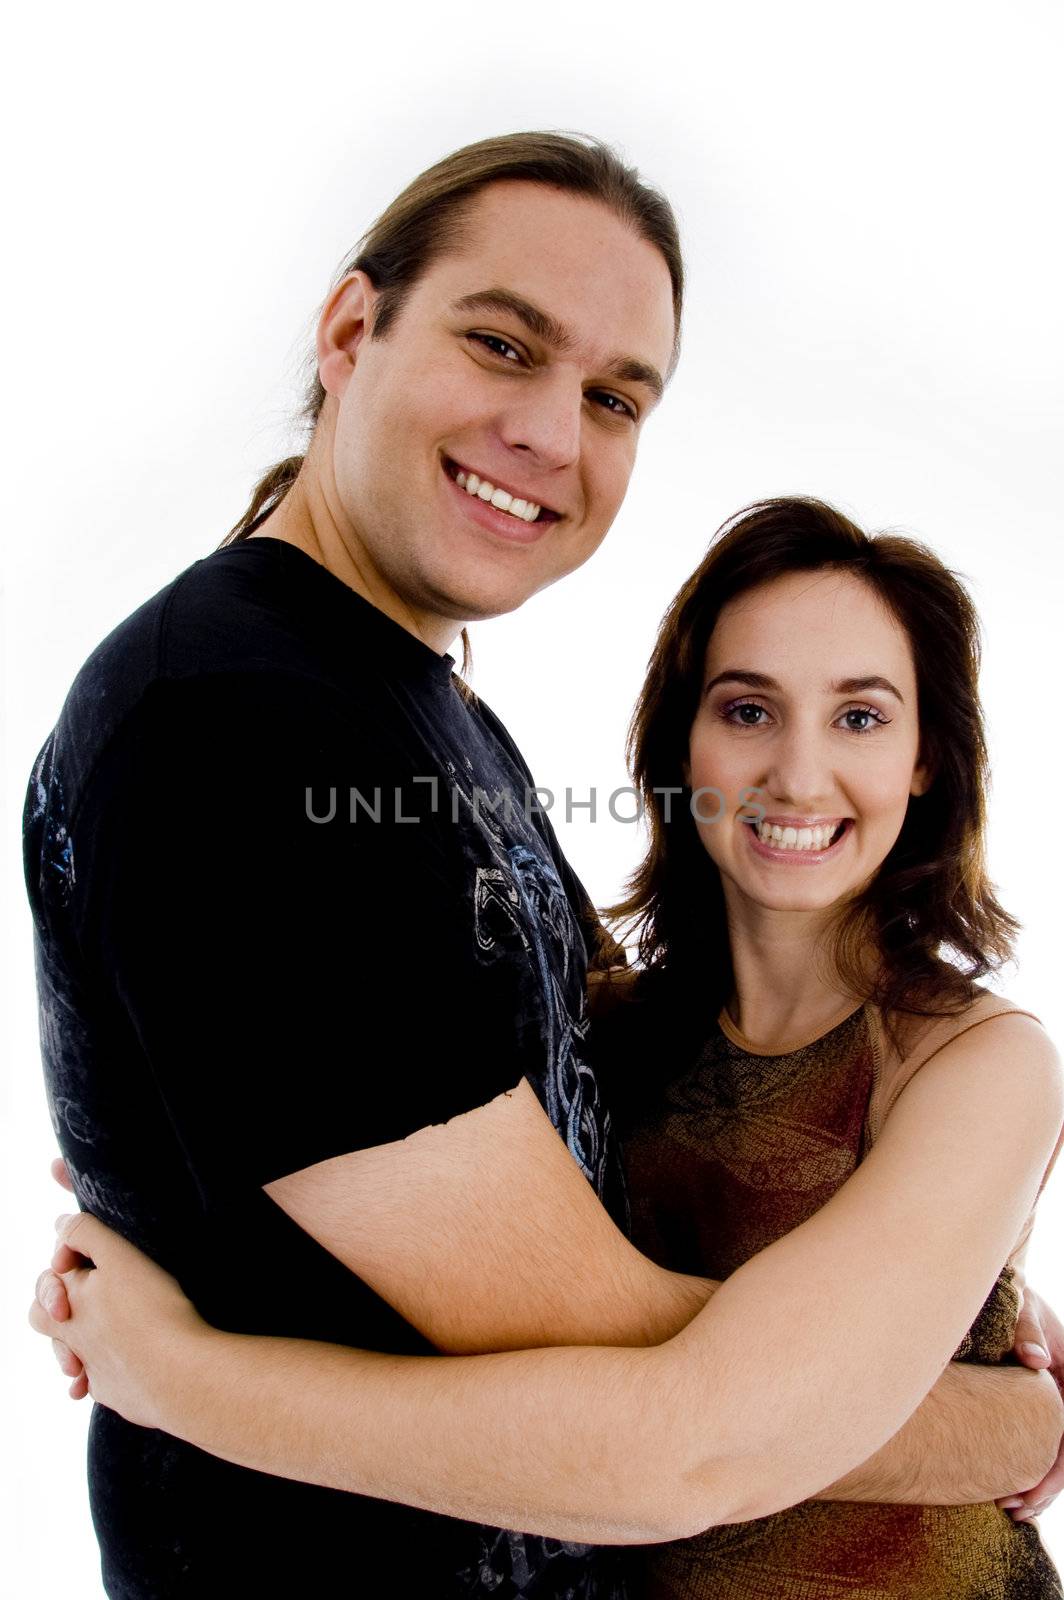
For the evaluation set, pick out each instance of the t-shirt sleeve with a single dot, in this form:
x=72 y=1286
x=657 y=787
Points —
x=290 y=950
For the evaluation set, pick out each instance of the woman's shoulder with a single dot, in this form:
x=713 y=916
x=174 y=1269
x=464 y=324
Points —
x=907 y=1041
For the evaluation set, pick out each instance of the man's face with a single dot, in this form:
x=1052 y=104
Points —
x=528 y=359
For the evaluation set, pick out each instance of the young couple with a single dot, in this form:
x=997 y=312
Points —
x=336 y=1076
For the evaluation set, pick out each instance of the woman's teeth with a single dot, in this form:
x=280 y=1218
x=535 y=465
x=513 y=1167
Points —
x=526 y=510
x=795 y=838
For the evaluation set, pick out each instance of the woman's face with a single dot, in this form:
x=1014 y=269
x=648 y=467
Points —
x=809 y=697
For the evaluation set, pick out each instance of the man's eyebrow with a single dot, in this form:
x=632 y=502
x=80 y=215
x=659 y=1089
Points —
x=760 y=680
x=629 y=370
x=554 y=333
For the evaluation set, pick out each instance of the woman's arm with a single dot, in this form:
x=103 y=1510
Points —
x=980 y=1434
x=971 y=1439
x=803 y=1364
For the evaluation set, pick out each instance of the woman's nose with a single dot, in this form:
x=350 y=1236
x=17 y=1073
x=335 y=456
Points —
x=800 y=774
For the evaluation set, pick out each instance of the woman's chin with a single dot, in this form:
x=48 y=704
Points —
x=766 y=892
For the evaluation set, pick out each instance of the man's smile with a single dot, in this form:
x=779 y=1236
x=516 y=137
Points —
x=503 y=497
x=501 y=509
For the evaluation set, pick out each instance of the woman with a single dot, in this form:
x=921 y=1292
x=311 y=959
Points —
x=820 y=922
x=813 y=696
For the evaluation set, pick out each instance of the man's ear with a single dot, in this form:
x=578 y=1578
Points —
x=342 y=326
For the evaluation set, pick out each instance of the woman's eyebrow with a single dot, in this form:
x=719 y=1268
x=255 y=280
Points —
x=873 y=681
x=761 y=680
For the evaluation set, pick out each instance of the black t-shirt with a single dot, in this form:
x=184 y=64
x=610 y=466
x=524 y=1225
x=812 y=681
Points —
x=291 y=898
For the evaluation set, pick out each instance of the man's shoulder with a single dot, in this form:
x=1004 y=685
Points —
x=222 y=633
x=233 y=610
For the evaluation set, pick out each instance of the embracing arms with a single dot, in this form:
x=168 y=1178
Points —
x=802 y=1365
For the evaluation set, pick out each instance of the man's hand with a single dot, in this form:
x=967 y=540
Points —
x=1039 y=1344
x=115 y=1314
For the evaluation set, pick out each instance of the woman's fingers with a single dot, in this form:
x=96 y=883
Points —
x=52 y=1296
x=69 y=1364
x=60 y=1173
x=42 y=1321
x=65 y=1259
x=85 y=1235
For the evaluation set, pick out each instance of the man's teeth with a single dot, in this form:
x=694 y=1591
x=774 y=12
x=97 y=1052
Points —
x=795 y=838
x=526 y=510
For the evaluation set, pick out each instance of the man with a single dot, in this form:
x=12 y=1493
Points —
x=296 y=914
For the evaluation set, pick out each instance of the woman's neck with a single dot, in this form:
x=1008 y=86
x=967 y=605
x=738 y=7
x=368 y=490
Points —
x=785 y=985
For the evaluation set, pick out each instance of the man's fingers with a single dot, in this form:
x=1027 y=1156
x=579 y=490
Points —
x=1030 y=1342
x=60 y=1173
x=80 y=1387
x=52 y=1296
x=1029 y=1513
x=1022 y=1507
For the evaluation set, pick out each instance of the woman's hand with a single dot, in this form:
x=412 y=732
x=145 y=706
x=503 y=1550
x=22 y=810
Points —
x=115 y=1318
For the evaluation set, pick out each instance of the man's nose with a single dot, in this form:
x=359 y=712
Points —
x=547 y=420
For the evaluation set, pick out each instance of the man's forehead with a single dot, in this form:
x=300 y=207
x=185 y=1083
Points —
x=600 y=286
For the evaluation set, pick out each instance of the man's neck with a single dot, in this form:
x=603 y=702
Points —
x=303 y=519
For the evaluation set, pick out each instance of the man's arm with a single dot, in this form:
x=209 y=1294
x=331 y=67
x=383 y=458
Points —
x=506 y=1439
x=433 y=1237
x=485 y=1236
x=978 y=1428
x=978 y=1435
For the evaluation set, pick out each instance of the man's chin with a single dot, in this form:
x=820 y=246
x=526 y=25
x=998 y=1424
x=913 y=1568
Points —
x=481 y=605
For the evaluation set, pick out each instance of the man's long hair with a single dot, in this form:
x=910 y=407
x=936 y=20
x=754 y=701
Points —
x=426 y=221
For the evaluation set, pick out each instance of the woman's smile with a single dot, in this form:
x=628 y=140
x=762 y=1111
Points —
x=797 y=844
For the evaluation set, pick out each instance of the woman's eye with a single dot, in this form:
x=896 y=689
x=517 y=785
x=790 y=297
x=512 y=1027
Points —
x=859 y=719
x=498 y=346
x=744 y=714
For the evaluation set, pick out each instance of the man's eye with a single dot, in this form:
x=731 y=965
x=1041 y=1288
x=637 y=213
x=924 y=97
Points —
x=497 y=346
x=612 y=403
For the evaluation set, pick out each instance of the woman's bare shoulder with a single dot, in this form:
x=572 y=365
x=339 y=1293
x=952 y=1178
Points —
x=994 y=1050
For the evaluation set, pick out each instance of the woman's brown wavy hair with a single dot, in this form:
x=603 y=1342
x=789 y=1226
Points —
x=929 y=918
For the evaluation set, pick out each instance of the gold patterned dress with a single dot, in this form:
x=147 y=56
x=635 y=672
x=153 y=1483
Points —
x=733 y=1153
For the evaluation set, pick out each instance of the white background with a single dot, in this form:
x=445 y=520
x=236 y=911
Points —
x=870 y=199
